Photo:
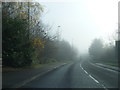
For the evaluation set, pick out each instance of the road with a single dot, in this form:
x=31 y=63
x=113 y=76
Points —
x=78 y=74
x=0 y=62
x=0 y=72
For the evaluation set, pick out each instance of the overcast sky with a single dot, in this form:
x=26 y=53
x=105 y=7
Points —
x=81 y=21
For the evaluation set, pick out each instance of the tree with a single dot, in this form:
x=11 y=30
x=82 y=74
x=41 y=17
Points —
x=109 y=54
x=96 y=49
x=17 y=46
x=15 y=51
x=102 y=53
x=26 y=40
x=66 y=51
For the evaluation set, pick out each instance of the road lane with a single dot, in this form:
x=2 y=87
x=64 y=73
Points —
x=17 y=78
x=67 y=76
x=0 y=62
x=107 y=77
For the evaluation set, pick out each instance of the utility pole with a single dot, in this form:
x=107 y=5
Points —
x=72 y=49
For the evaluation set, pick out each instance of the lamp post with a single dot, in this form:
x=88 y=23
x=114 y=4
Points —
x=58 y=33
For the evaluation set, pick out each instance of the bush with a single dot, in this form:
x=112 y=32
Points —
x=17 y=49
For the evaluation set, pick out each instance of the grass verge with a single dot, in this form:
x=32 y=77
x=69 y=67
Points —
x=35 y=66
x=112 y=64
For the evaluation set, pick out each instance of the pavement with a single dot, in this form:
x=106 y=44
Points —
x=16 y=79
x=68 y=76
x=77 y=74
x=108 y=66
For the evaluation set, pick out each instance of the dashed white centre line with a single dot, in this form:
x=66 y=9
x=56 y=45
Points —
x=81 y=66
x=104 y=87
x=93 y=78
x=86 y=72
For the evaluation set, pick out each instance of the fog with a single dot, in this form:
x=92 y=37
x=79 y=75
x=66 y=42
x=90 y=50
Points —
x=59 y=44
x=81 y=21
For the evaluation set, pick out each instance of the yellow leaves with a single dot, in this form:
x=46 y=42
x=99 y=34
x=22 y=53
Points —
x=38 y=42
x=23 y=15
x=17 y=3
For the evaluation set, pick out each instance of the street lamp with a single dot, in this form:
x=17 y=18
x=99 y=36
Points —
x=58 y=33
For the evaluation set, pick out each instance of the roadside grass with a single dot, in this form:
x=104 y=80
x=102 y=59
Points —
x=4 y=69
x=115 y=64
x=38 y=66
x=112 y=64
x=34 y=66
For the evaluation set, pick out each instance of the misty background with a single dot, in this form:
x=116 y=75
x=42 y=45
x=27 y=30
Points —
x=83 y=20
x=75 y=41
x=59 y=31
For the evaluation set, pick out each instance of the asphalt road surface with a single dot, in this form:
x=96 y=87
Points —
x=79 y=74
x=0 y=62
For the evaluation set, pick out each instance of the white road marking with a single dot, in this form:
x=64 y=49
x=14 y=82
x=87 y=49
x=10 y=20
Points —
x=93 y=79
x=81 y=66
x=86 y=72
x=83 y=69
x=104 y=87
x=55 y=67
x=48 y=70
